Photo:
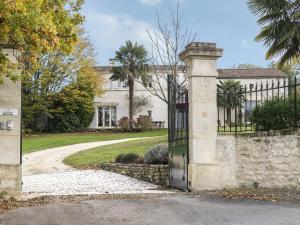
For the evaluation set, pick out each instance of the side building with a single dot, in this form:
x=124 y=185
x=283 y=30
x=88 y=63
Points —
x=113 y=104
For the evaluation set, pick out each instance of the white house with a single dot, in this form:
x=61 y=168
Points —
x=113 y=104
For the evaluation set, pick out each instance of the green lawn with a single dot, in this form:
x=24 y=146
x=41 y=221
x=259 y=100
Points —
x=91 y=158
x=45 y=141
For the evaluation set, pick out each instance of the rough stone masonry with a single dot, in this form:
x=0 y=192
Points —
x=157 y=174
x=10 y=133
x=264 y=159
x=269 y=159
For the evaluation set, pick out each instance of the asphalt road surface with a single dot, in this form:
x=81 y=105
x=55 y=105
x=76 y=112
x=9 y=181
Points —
x=174 y=209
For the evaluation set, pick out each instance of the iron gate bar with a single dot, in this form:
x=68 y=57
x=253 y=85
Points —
x=247 y=97
x=178 y=134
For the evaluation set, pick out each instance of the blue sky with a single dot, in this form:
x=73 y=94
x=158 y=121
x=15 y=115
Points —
x=228 y=23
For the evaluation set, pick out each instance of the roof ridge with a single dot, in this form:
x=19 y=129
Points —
x=264 y=68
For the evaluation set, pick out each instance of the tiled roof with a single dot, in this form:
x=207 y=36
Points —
x=250 y=73
x=225 y=73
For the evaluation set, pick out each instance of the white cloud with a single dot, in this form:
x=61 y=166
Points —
x=245 y=44
x=110 y=31
x=150 y=2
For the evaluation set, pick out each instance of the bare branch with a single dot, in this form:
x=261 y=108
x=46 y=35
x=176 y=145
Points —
x=167 y=42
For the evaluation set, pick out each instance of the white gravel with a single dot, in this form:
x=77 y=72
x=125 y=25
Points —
x=45 y=174
x=84 y=182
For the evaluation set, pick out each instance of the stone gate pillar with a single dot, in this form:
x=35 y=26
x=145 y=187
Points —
x=10 y=132
x=204 y=169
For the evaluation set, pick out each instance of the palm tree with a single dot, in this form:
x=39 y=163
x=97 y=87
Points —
x=281 y=28
x=230 y=96
x=133 y=66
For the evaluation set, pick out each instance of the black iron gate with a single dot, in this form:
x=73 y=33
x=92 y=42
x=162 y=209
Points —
x=178 y=134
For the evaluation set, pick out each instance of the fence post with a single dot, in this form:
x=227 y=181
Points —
x=10 y=131
x=204 y=170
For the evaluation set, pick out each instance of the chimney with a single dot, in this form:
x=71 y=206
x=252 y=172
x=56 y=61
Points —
x=112 y=62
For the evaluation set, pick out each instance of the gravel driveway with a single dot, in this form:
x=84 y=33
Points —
x=45 y=174
x=84 y=182
x=51 y=160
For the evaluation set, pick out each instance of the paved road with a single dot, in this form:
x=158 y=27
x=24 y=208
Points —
x=51 y=160
x=168 y=210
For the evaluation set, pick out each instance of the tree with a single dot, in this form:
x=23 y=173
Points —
x=133 y=61
x=73 y=107
x=230 y=96
x=57 y=71
x=139 y=103
x=37 y=27
x=290 y=70
x=245 y=66
x=168 y=40
x=281 y=28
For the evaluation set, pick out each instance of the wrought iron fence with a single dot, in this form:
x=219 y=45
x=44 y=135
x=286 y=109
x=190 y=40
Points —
x=258 y=106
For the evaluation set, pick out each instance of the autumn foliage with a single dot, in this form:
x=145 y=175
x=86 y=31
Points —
x=35 y=27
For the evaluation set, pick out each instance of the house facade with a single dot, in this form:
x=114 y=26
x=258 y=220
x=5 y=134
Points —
x=113 y=104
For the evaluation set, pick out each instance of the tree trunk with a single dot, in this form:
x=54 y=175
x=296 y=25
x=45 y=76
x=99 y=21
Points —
x=131 y=87
x=228 y=115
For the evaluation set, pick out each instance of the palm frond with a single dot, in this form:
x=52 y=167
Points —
x=281 y=27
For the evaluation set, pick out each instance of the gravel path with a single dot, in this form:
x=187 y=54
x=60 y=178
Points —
x=51 y=160
x=45 y=174
x=84 y=182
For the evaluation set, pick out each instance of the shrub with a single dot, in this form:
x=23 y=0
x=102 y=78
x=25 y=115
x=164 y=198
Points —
x=72 y=108
x=128 y=158
x=157 y=155
x=276 y=114
x=144 y=123
x=123 y=123
x=119 y=158
x=26 y=132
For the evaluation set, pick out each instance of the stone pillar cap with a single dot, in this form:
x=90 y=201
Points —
x=201 y=49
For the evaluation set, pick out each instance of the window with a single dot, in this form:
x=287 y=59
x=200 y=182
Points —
x=115 y=84
x=125 y=84
x=107 y=116
x=249 y=106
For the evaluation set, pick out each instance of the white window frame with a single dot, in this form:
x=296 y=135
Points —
x=103 y=116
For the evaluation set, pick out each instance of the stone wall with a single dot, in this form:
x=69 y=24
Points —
x=268 y=159
x=157 y=174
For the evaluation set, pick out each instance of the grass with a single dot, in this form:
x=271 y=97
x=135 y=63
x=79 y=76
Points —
x=44 y=141
x=93 y=157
